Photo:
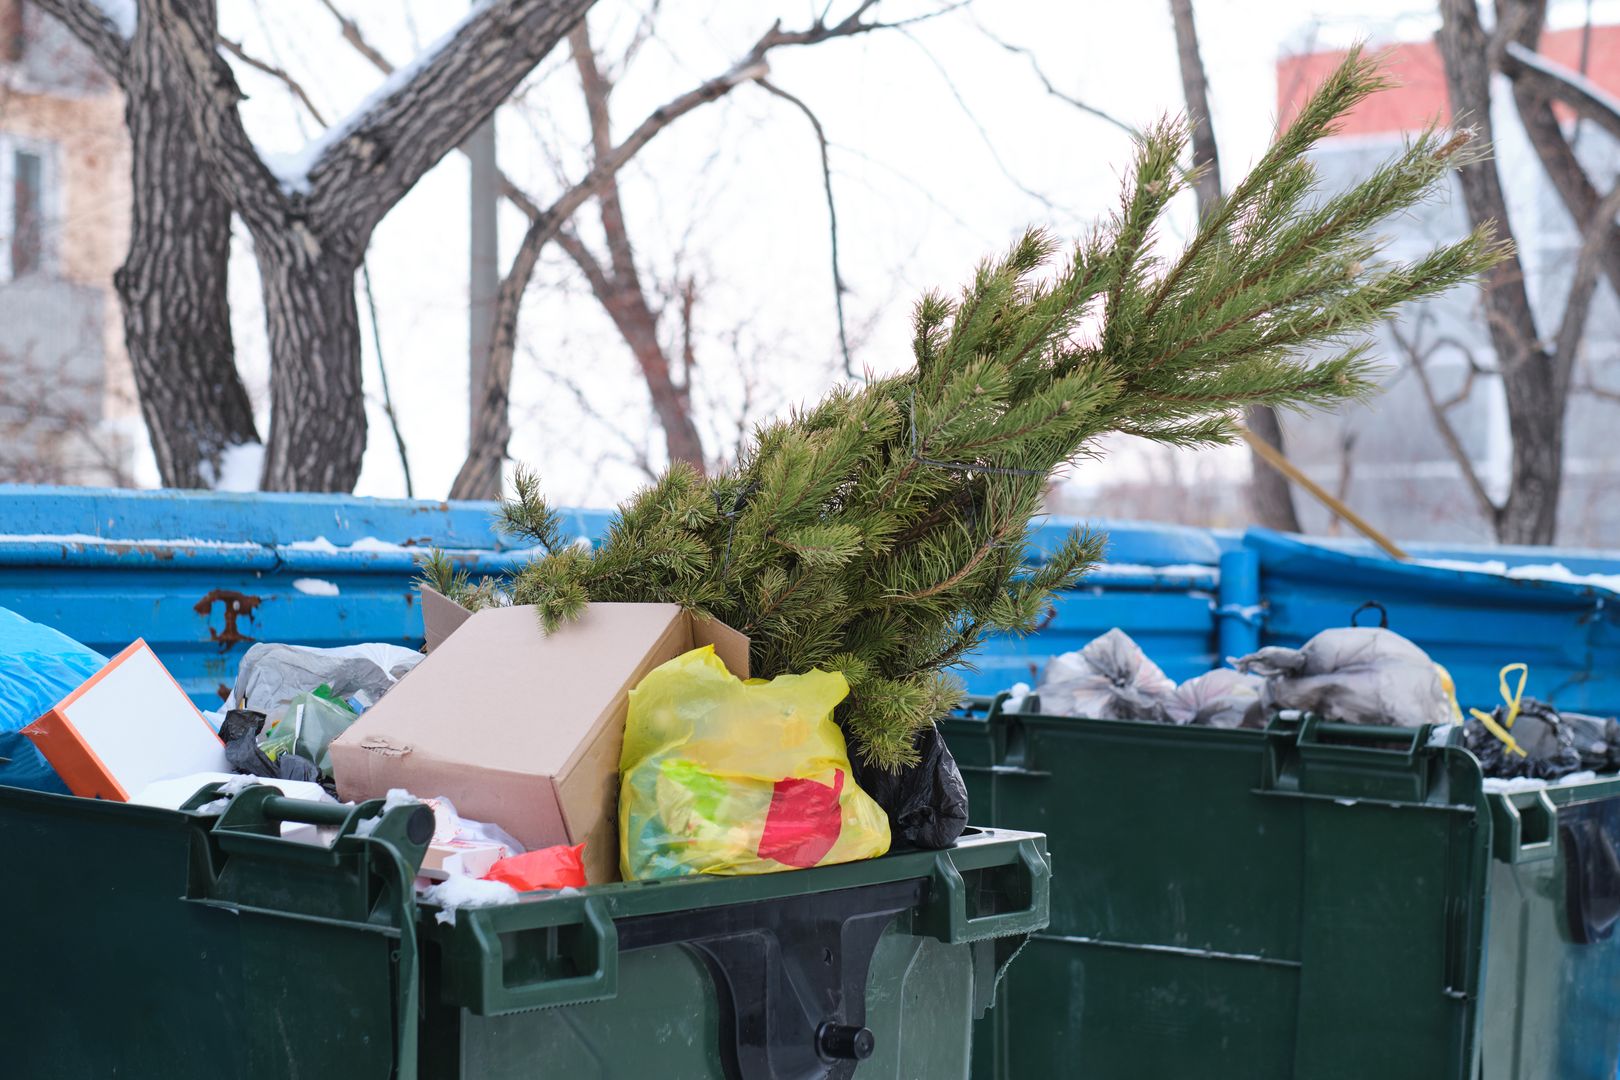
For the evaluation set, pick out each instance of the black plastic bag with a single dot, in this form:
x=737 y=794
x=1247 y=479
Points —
x=1548 y=743
x=927 y=803
x=1597 y=739
x=240 y=732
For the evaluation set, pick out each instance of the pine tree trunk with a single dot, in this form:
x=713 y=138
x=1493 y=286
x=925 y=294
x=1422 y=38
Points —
x=317 y=407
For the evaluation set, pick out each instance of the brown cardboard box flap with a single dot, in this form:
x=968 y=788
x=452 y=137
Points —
x=731 y=646
x=441 y=616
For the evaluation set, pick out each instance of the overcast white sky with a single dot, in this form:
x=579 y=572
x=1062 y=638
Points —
x=945 y=146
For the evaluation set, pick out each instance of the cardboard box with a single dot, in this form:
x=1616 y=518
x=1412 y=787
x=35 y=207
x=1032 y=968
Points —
x=465 y=857
x=523 y=729
x=441 y=617
x=126 y=726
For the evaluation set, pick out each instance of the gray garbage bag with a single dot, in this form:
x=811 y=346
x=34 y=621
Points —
x=1110 y=679
x=272 y=674
x=1221 y=698
x=1355 y=675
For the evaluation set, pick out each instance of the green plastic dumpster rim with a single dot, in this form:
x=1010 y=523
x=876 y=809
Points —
x=473 y=944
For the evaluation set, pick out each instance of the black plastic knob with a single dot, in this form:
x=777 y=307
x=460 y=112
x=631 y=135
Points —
x=845 y=1042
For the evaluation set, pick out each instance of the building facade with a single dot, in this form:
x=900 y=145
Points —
x=68 y=412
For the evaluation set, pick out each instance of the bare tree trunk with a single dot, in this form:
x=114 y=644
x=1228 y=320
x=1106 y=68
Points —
x=173 y=285
x=317 y=406
x=1270 y=497
x=1536 y=394
x=310 y=231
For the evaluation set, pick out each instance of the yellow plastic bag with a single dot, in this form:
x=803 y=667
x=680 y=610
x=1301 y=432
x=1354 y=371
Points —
x=719 y=776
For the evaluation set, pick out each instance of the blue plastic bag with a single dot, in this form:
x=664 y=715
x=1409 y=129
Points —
x=38 y=668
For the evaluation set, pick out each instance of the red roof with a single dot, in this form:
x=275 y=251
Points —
x=1420 y=94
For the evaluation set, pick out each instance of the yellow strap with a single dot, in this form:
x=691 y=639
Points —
x=1511 y=699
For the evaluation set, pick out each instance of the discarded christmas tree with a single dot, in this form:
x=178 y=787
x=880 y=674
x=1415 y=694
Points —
x=882 y=533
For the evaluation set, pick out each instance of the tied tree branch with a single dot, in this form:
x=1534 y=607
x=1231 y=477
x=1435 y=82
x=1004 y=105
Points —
x=312 y=220
x=173 y=284
x=1269 y=492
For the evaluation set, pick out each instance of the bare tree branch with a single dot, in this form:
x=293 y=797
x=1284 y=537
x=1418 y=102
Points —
x=382 y=372
x=89 y=22
x=1534 y=90
x=277 y=73
x=1584 y=283
x=1051 y=87
x=1418 y=357
x=1524 y=65
x=617 y=287
x=973 y=118
x=368 y=165
x=832 y=217
x=351 y=33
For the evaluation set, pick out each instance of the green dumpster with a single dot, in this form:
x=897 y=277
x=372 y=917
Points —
x=151 y=943
x=1313 y=901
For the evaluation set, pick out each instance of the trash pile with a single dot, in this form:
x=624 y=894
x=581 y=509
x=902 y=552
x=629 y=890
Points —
x=1113 y=679
x=1351 y=675
x=634 y=745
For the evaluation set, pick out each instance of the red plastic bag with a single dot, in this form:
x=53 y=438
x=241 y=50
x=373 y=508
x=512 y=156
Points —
x=560 y=867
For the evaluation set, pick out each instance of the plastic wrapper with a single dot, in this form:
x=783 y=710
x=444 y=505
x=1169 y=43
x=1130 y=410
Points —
x=927 y=803
x=38 y=668
x=306 y=726
x=718 y=776
x=1221 y=698
x=1354 y=675
x=1110 y=679
x=240 y=731
x=559 y=867
x=272 y=674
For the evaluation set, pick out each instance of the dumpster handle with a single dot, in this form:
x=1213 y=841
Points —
x=599 y=950
x=1538 y=819
x=949 y=898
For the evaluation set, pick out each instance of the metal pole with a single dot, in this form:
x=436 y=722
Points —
x=484 y=276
